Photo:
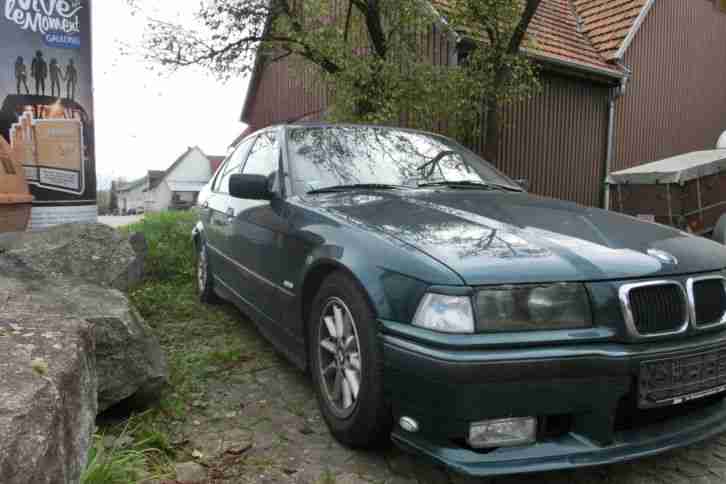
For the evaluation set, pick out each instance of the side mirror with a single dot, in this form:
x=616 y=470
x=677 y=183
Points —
x=524 y=183
x=252 y=187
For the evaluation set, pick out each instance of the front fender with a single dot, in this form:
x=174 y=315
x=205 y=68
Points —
x=393 y=282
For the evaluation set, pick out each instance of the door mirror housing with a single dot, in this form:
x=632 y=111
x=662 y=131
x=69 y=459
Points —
x=252 y=187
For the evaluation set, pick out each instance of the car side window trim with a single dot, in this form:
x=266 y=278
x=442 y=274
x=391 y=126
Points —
x=219 y=172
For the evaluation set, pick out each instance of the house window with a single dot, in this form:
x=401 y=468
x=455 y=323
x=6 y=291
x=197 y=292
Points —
x=721 y=5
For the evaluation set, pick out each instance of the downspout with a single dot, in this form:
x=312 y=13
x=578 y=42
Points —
x=615 y=94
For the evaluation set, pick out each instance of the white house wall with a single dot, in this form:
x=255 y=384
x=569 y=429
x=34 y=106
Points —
x=135 y=198
x=195 y=167
x=162 y=194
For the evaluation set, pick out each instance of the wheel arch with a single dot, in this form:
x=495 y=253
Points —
x=313 y=280
x=197 y=235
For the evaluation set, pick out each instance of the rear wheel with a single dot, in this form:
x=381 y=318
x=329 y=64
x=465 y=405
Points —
x=205 y=283
x=347 y=365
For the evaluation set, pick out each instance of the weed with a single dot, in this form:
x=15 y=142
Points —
x=138 y=453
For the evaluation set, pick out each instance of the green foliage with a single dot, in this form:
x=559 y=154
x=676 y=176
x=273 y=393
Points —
x=134 y=453
x=171 y=254
x=370 y=55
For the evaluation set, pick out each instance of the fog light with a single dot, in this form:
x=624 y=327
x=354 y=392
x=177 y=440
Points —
x=502 y=433
x=408 y=424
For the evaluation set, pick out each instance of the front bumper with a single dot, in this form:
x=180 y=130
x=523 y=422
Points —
x=583 y=396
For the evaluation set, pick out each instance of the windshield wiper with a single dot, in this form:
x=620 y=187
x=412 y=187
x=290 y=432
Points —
x=356 y=186
x=470 y=184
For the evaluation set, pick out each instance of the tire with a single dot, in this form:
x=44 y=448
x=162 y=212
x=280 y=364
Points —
x=361 y=419
x=205 y=282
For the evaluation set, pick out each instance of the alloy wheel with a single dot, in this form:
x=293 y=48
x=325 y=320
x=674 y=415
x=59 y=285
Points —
x=339 y=357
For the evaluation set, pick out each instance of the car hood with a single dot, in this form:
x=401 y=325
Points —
x=492 y=237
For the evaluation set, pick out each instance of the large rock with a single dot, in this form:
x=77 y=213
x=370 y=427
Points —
x=95 y=253
x=70 y=346
x=130 y=361
x=47 y=397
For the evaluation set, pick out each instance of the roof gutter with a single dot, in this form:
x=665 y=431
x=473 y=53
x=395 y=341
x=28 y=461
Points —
x=615 y=94
x=573 y=64
x=634 y=30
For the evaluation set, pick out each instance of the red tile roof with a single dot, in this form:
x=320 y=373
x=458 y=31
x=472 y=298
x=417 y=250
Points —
x=608 y=22
x=554 y=30
x=585 y=32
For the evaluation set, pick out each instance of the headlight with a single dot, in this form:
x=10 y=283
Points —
x=533 y=308
x=447 y=314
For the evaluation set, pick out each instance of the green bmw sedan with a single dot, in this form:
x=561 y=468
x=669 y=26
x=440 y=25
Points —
x=436 y=303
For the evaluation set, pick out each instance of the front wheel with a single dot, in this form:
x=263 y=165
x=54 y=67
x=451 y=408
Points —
x=347 y=364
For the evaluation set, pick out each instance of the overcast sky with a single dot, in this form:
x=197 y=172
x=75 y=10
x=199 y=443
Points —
x=145 y=121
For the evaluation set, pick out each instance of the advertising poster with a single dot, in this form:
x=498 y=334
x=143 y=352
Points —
x=47 y=165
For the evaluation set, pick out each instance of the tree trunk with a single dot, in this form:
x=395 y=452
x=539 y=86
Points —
x=490 y=111
x=491 y=131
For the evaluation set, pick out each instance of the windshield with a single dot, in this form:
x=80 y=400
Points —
x=326 y=157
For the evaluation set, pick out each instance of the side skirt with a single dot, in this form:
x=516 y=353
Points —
x=285 y=344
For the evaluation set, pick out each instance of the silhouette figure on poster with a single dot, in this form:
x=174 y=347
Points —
x=71 y=80
x=56 y=75
x=21 y=75
x=39 y=71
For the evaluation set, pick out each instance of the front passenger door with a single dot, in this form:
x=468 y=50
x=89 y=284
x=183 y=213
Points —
x=258 y=231
x=216 y=210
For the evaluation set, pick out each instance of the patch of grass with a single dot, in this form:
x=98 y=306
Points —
x=138 y=453
x=114 y=466
x=168 y=234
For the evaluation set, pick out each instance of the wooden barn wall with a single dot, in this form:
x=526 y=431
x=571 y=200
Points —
x=558 y=139
x=675 y=101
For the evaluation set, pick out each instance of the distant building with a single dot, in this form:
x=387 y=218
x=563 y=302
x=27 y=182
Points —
x=176 y=188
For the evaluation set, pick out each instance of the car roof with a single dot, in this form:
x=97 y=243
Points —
x=318 y=124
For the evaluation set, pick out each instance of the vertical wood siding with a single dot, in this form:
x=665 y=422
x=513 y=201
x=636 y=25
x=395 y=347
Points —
x=676 y=100
x=558 y=140
x=288 y=90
